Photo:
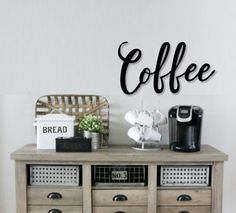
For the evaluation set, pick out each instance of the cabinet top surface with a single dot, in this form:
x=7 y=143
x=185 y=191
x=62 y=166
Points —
x=118 y=153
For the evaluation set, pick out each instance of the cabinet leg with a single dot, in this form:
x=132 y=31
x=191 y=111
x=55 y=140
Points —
x=21 y=184
x=87 y=193
x=152 y=188
x=217 y=187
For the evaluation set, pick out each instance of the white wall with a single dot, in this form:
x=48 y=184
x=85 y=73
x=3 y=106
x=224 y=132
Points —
x=70 y=46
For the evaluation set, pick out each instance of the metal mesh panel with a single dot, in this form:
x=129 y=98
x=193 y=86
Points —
x=119 y=175
x=54 y=175
x=184 y=175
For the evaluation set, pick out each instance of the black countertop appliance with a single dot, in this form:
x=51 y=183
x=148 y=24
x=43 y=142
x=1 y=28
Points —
x=185 y=128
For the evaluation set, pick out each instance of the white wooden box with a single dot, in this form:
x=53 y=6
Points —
x=52 y=126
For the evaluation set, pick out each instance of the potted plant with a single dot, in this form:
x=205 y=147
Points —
x=91 y=126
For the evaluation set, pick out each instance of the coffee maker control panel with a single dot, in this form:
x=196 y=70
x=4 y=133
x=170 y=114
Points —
x=184 y=113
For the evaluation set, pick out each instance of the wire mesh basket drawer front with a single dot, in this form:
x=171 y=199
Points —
x=119 y=175
x=184 y=175
x=55 y=175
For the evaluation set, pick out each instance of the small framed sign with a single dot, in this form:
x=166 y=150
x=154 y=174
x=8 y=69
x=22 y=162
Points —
x=119 y=175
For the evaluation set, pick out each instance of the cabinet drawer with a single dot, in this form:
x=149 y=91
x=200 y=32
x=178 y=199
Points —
x=183 y=197
x=57 y=209
x=120 y=209
x=119 y=197
x=186 y=209
x=54 y=196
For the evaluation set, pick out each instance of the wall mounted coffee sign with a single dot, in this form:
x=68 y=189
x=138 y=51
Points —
x=191 y=71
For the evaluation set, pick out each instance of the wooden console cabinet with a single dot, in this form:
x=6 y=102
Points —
x=149 y=198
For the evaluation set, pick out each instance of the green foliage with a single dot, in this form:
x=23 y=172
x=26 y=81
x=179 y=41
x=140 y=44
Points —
x=91 y=123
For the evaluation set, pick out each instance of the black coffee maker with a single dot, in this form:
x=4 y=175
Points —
x=185 y=128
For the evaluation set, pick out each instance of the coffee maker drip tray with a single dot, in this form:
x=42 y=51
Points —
x=176 y=146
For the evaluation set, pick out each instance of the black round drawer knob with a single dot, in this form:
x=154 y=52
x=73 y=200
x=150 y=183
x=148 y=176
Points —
x=184 y=212
x=54 y=211
x=54 y=195
x=184 y=197
x=119 y=212
x=120 y=198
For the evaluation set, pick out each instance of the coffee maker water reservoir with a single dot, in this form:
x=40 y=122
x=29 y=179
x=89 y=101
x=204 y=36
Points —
x=185 y=128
